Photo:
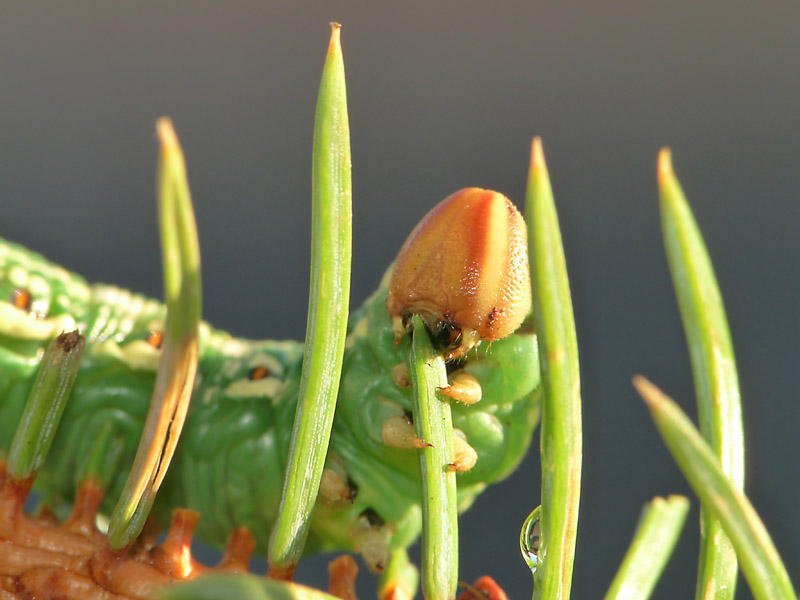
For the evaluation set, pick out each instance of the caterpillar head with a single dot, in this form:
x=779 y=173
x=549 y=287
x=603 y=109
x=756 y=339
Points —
x=464 y=270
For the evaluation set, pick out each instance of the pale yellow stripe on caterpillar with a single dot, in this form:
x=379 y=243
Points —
x=36 y=286
x=138 y=355
x=118 y=312
x=261 y=359
x=267 y=361
x=266 y=385
x=246 y=388
x=16 y=322
x=24 y=261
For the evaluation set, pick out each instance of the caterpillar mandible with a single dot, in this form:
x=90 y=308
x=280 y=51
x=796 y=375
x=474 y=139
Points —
x=230 y=460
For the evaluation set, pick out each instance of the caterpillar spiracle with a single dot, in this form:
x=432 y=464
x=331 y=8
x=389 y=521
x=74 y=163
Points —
x=231 y=457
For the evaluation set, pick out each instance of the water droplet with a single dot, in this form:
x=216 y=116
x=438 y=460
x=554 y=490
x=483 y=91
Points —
x=529 y=539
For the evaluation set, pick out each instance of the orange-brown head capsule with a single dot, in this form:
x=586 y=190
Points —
x=464 y=270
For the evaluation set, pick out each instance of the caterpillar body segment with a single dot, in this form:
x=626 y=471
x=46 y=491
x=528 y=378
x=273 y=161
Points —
x=230 y=460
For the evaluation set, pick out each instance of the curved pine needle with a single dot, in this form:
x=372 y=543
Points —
x=714 y=367
x=327 y=316
x=178 y=364
x=561 y=432
x=433 y=422
x=758 y=558
x=657 y=532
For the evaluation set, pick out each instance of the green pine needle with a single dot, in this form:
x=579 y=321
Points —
x=656 y=534
x=714 y=366
x=46 y=402
x=329 y=298
x=758 y=558
x=180 y=254
x=561 y=434
x=433 y=423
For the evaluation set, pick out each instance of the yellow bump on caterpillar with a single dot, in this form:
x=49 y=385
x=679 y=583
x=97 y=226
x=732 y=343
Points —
x=463 y=387
x=465 y=455
x=400 y=375
x=398 y=432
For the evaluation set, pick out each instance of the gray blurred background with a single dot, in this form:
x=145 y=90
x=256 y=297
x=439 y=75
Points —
x=445 y=95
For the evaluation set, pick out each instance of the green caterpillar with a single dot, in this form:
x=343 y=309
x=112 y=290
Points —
x=231 y=457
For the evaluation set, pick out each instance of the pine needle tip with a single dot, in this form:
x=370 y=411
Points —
x=166 y=133
x=647 y=390
x=335 y=43
x=537 y=155
x=665 y=172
